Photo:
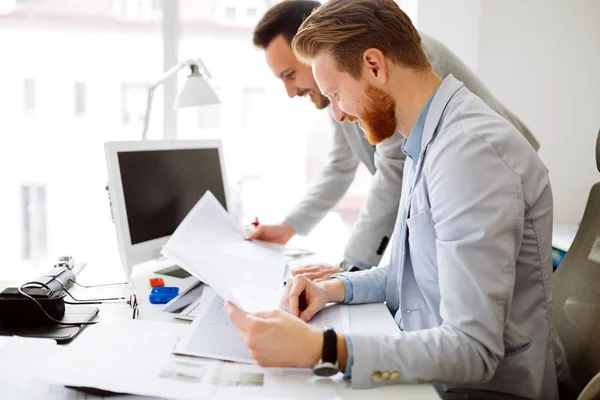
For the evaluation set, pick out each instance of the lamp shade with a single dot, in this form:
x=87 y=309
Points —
x=196 y=91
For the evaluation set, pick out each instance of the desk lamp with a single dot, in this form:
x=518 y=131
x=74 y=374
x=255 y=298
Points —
x=196 y=90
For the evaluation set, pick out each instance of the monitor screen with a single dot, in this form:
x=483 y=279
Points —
x=161 y=186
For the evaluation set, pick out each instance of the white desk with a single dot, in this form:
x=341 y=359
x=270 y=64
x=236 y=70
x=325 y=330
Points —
x=152 y=312
x=26 y=387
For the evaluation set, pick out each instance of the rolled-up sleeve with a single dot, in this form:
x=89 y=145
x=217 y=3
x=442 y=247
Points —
x=347 y=287
x=365 y=286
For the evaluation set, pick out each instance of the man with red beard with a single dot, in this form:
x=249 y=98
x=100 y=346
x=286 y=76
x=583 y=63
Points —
x=385 y=161
x=469 y=281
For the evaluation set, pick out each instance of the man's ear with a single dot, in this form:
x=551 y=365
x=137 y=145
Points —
x=374 y=66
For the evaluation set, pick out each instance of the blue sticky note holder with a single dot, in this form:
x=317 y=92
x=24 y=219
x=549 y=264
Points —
x=163 y=294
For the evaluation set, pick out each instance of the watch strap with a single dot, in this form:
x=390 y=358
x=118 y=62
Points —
x=329 y=346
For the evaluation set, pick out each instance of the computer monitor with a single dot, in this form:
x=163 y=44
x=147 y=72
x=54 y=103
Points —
x=152 y=187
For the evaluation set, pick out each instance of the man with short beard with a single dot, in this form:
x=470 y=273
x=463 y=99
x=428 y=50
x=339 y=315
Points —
x=385 y=161
x=469 y=281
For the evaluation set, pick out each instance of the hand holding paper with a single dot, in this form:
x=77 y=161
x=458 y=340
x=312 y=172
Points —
x=209 y=245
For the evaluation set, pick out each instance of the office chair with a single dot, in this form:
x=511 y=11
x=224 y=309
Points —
x=575 y=308
x=576 y=291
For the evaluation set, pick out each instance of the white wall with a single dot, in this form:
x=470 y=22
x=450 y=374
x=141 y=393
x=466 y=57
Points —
x=456 y=23
x=541 y=58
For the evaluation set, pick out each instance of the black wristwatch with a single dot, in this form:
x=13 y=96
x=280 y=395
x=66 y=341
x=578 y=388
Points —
x=328 y=364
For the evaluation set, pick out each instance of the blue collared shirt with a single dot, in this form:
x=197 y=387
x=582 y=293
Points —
x=412 y=148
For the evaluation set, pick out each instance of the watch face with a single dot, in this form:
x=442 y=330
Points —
x=326 y=369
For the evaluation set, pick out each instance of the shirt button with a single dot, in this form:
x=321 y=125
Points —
x=385 y=376
x=376 y=376
x=395 y=376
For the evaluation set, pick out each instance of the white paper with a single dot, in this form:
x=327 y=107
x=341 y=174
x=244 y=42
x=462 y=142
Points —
x=24 y=360
x=212 y=335
x=277 y=383
x=124 y=357
x=212 y=247
x=134 y=357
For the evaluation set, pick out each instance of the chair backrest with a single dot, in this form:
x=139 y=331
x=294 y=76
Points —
x=598 y=152
x=576 y=293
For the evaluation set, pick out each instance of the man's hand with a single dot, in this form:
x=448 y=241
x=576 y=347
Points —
x=316 y=272
x=277 y=339
x=280 y=234
x=303 y=298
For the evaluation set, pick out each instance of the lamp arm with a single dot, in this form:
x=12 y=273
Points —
x=148 y=109
x=172 y=71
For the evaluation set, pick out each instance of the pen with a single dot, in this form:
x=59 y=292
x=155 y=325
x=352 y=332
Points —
x=252 y=227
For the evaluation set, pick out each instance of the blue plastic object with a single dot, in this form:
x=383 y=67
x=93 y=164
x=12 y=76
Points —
x=163 y=294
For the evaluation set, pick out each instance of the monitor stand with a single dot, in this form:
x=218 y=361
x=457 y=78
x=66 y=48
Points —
x=174 y=270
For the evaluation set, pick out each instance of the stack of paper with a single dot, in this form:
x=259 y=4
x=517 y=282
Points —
x=209 y=245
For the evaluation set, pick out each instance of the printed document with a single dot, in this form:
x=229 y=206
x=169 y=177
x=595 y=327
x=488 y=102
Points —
x=209 y=245
x=212 y=335
x=134 y=356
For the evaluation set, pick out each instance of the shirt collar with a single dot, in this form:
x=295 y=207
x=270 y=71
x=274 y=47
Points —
x=412 y=145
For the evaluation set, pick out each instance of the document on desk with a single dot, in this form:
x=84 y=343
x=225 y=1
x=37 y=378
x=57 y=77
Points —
x=212 y=335
x=209 y=245
x=135 y=357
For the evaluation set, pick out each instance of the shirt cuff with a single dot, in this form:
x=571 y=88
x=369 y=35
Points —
x=288 y=220
x=357 y=263
x=347 y=287
x=350 y=360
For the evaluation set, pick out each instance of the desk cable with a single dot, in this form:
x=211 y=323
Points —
x=37 y=303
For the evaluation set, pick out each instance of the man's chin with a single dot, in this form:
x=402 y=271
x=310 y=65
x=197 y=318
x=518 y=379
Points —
x=375 y=139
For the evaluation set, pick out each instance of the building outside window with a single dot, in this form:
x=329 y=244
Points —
x=80 y=99
x=34 y=235
x=29 y=102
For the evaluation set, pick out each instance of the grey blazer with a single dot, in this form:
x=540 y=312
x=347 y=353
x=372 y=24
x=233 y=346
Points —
x=375 y=223
x=470 y=277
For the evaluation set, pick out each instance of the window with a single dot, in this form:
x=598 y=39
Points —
x=53 y=199
x=134 y=10
x=209 y=117
x=251 y=12
x=230 y=13
x=254 y=99
x=33 y=215
x=134 y=98
x=80 y=97
x=29 y=95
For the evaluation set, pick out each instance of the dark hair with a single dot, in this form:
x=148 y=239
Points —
x=282 y=19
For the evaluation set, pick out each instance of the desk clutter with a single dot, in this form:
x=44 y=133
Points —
x=43 y=308
x=163 y=294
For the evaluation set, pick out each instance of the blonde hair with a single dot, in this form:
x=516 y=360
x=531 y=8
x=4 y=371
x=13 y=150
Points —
x=346 y=28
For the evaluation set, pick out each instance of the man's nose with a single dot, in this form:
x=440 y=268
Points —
x=339 y=115
x=291 y=90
